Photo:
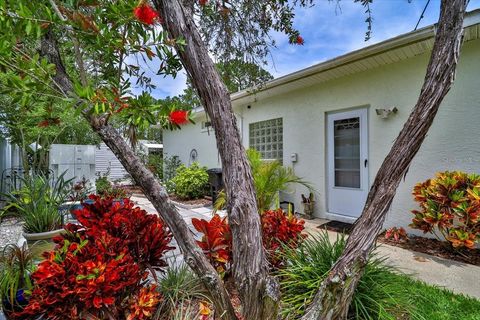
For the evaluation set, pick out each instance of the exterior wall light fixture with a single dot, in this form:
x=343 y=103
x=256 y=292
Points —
x=385 y=113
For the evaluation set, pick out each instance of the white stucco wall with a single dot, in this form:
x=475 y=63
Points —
x=181 y=142
x=451 y=143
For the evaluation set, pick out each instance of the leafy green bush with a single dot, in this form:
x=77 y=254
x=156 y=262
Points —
x=270 y=178
x=381 y=294
x=103 y=185
x=191 y=182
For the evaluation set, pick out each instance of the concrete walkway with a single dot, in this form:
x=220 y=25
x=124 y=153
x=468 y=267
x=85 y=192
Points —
x=456 y=276
x=175 y=256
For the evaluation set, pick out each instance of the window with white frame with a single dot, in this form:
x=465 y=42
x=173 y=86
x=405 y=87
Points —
x=267 y=138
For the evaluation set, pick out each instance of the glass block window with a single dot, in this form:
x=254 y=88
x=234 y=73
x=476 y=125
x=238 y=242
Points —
x=267 y=138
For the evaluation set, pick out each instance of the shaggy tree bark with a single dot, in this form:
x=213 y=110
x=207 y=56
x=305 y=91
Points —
x=258 y=291
x=335 y=294
x=156 y=193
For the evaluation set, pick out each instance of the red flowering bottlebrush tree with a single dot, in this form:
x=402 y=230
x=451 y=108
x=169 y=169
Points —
x=69 y=50
x=278 y=230
x=99 y=269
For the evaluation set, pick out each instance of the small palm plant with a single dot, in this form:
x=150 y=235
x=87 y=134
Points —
x=269 y=178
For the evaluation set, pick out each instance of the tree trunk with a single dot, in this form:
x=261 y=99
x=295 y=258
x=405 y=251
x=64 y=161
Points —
x=335 y=294
x=258 y=291
x=152 y=189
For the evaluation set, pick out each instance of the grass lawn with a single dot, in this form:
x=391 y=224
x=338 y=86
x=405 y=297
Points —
x=434 y=303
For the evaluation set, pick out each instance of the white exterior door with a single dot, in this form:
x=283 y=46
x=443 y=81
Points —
x=347 y=162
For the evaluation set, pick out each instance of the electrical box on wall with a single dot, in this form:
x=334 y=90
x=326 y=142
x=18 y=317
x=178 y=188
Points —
x=293 y=157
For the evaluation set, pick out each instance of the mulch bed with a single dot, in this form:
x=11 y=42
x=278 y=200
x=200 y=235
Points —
x=435 y=248
x=204 y=202
x=429 y=246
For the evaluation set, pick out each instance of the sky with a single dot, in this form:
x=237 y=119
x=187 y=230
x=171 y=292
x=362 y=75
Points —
x=330 y=30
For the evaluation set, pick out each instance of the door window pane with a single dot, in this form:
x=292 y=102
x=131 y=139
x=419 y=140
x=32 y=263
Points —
x=347 y=152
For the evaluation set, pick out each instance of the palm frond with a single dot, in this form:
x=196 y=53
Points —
x=270 y=178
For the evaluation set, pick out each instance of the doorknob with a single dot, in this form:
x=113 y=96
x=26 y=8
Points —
x=365 y=163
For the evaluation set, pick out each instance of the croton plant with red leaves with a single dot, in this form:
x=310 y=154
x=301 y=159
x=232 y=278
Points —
x=278 y=229
x=450 y=203
x=396 y=234
x=99 y=268
x=216 y=241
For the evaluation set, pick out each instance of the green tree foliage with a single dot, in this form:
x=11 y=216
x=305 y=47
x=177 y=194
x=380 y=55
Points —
x=104 y=47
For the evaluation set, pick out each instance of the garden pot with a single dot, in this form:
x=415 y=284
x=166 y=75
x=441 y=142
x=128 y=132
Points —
x=47 y=236
x=41 y=242
x=20 y=302
x=308 y=209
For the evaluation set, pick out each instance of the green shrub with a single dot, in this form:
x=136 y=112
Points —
x=381 y=294
x=270 y=178
x=103 y=185
x=191 y=182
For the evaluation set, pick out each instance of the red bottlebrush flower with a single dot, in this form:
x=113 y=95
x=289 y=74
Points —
x=202 y=2
x=49 y=122
x=146 y=14
x=299 y=40
x=178 y=117
x=44 y=123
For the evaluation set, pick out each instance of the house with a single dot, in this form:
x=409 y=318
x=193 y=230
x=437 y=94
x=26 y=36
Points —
x=335 y=122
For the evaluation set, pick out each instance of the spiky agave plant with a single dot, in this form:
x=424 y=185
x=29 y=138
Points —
x=381 y=293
